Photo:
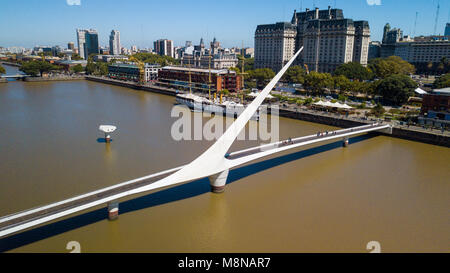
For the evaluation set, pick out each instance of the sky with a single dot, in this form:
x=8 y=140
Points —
x=233 y=22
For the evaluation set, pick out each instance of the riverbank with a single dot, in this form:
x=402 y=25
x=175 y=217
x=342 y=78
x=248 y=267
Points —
x=10 y=64
x=150 y=88
x=56 y=78
x=414 y=134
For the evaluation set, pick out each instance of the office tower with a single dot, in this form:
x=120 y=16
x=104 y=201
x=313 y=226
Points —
x=164 y=47
x=114 y=43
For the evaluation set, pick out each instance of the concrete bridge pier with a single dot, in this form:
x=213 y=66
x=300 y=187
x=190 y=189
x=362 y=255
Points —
x=218 y=181
x=345 y=142
x=387 y=131
x=113 y=210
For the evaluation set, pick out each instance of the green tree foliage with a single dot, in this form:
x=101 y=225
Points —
x=2 y=70
x=295 y=74
x=342 y=83
x=378 y=110
x=353 y=71
x=437 y=68
x=396 y=89
x=155 y=58
x=249 y=84
x=261 y=75
x=248 y=63
x=235 y=69
x=35 y=68
x=90 y=67
x=442 y=82
x=76 y=57
x=77 y=68
x=318 y=81
x=96 y=68
x=385 y=67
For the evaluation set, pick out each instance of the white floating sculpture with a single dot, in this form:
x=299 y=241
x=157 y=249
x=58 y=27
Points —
x=107 y=129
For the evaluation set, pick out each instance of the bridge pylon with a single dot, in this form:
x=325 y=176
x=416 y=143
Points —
x=345 y=142
x=113 y=210
x=218 y=181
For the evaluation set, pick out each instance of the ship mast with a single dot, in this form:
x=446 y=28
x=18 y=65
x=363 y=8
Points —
x=242 y=72
x=190 y=85
x=209 y=84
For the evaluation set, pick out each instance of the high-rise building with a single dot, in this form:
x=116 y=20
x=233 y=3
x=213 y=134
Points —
x=71 y=46
x=163 y=47
x=114 y=42
x=81 y=39
x=87 y=42
x=274 y=45
x=374 y=50
x=390 y=38
x=215 y=46
x=327 y=38
x=447 y=30
x=423 y=50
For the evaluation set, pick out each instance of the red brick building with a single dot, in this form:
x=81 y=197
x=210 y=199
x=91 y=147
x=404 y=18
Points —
x=178 y=77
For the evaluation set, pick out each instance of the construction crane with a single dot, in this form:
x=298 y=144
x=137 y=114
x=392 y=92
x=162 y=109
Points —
x=141 y=67
x=209 y=75
x=243 y=72
x=306 y=68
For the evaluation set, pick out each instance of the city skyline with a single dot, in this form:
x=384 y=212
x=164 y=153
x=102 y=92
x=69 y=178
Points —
x=142 y=26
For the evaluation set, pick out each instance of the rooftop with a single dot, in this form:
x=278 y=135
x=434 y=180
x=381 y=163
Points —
x=199 y=70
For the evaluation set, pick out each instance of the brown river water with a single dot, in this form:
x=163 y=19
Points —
x=320 y=198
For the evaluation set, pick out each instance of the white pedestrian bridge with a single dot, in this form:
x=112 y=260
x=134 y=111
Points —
x=214 y=163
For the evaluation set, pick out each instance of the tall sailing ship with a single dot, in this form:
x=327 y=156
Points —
x=216 y=106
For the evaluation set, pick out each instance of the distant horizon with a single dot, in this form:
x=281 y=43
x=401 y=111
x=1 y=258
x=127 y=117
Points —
x=142 y=22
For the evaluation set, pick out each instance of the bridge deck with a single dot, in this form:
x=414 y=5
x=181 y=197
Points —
x=299 y=140
x=85 y=199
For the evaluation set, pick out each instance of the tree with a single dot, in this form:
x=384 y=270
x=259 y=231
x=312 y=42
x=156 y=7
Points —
x=353 y=71
x=442 y=82
x=378 y=110
x=102 y=69
x=385 y=67
x=295 y=74
x=261 y=75
x=250 y=84
x=2 y=70
x=34 y=68
x=235 y=69
x=90 y=67
x=318 y=81
x=155 y=58
x=76 y=57
x=342 y=83
x=77 y=68
x=248 y=63
x=396 y=89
